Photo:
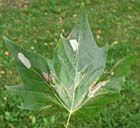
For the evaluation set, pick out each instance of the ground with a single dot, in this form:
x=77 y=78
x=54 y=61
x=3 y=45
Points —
x=36 y=25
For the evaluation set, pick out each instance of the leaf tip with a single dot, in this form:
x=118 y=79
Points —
x=82 y=9
x=5 y=38
x=6 y=87
x=82 y=5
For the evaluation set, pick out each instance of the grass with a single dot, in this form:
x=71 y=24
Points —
x=36 y=25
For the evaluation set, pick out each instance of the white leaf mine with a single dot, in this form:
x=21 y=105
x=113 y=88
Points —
x=24 y=60
x=45 y=76
x=48 y=77
x=94 y=88
x=74 y=44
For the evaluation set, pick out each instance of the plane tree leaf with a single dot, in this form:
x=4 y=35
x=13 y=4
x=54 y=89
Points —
x=71 y=80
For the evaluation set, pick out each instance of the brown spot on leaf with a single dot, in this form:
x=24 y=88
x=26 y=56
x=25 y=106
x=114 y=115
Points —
x=48 y=77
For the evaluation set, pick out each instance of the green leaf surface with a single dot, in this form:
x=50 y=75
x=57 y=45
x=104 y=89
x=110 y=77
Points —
x=33 y=100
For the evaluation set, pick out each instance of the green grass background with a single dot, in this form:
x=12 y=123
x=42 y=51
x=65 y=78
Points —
x=36 y=25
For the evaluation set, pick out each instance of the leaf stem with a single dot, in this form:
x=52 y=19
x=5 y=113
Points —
x=68 y=120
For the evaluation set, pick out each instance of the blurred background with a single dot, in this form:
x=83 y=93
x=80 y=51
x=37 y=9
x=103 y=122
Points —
x=36 y=25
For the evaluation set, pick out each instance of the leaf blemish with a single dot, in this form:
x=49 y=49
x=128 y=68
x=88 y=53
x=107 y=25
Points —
x=24 y=60
x=94 y=88
x=49 y=78
x=74 y=44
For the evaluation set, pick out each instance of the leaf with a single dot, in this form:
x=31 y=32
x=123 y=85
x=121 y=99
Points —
x=71 y=80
